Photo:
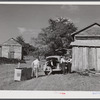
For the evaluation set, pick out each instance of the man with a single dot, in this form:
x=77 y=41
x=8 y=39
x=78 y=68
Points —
x=69 y=62
x=35 y=67
x=63 y=64
x=49 y=66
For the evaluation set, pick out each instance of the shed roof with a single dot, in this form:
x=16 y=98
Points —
x=12 y=41
x=92 y=30
x=91 y=43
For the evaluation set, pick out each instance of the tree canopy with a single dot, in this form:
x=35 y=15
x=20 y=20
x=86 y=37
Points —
x=56 y=36
x=27 y=48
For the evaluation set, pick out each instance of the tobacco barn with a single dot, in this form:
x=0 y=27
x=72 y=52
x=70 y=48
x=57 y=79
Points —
x=86 y=48
x=11 y=49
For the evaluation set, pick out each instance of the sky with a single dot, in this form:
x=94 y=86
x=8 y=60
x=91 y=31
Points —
x=28 y=20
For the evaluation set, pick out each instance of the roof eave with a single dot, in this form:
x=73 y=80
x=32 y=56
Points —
x=73 y=34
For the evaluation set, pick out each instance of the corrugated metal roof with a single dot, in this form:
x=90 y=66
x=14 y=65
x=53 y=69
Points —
x=94 y=43
x=11 y=41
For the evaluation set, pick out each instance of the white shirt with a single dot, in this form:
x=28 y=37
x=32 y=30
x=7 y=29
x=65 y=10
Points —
x=35 y=63
x=63 y=60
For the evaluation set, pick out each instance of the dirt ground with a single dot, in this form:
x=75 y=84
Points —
x=55 y=82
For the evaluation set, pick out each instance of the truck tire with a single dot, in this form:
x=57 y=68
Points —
x=46 y=72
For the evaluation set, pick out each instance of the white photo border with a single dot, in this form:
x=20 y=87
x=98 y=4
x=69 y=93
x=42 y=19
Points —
x=15 y=94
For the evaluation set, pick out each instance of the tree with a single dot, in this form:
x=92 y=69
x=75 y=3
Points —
x=56 y=36
x=21 y=40
x=27 y=48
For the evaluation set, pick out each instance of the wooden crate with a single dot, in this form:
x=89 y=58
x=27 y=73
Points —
x=22 y=74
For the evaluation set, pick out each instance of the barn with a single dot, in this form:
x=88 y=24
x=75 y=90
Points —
x=11 y=49
x=86 y=48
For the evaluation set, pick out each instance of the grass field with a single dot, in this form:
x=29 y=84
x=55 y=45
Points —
x=68 y=82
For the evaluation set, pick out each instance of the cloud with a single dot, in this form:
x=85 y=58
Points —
x=21 y=30
x=27 y=33
x=70 y=8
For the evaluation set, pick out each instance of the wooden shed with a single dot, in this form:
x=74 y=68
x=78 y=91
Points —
x=12 y=49
x=86 y=48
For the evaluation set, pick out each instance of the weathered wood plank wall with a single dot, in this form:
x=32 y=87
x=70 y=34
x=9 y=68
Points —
x=73 y=59
x=98 y=58
x=5 y=50
x=85 y=58
x=17 y=51
x=76 y=58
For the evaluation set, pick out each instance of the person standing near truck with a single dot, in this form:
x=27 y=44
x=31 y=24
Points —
x=35 y=67
x=69 y=64
x=50 y=66
x=63 y=64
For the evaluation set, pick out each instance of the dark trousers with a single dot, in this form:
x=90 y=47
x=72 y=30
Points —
x=63 y=65
x=69 y=68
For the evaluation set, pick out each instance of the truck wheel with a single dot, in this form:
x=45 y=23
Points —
x=46 y=72
x=61 y=72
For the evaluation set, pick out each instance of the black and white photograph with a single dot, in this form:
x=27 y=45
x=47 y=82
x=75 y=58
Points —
x=50 y=47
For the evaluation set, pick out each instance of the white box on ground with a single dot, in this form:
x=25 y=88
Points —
x=18 y=74
x=22 y=74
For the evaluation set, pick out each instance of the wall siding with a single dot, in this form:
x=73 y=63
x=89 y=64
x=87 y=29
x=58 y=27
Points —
x=5 y=50
x=76 y=58
x=17 y=51
x=89 y=58
x=94 y=60
x=73 y=59
x=80 y=58
x=85 y=58
x=98 y=58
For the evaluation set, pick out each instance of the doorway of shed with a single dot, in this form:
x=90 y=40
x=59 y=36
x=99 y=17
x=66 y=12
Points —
x=11 y=54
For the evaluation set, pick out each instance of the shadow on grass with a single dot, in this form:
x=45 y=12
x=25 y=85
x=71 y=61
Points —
x=42 y=75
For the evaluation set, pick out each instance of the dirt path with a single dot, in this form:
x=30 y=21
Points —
x=55 y=82
x=58 y=82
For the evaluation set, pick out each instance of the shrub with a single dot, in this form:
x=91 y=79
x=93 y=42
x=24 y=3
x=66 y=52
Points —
x=4 y=60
